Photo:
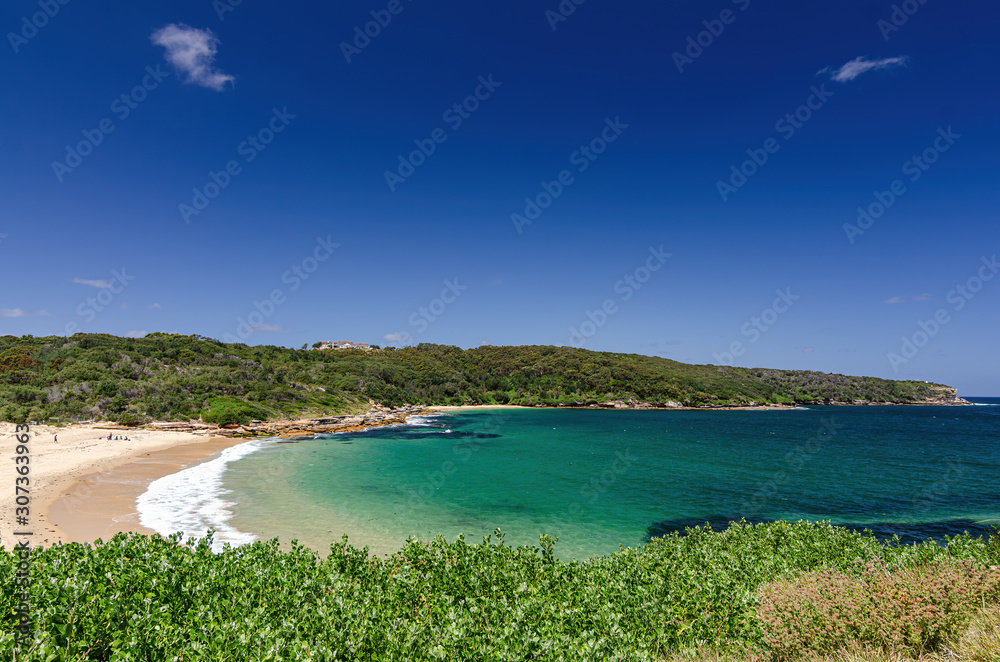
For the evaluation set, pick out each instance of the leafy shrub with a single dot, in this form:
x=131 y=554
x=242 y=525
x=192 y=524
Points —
x=150 y=598
x=131 y=418
x=912 y=611
x=226 y=411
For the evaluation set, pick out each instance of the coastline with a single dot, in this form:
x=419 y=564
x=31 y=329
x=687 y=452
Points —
x=101 y=504
x=82 y=485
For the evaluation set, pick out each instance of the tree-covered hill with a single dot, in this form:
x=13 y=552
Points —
x=174 y=377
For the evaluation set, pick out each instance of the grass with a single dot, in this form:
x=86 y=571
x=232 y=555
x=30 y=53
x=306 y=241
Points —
x=716 y=595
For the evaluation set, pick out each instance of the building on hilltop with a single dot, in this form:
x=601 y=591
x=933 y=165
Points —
x=341 y=344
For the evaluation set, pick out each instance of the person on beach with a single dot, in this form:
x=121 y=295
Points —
x=55 y=438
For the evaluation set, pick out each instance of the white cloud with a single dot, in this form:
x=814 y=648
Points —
x=17 y=312
x=807 y=350
x=192 y=52
x=397 y=337
x=103 y=284
x=894 y=300
x=274 y=328
x=136 y=334
x=860 y=65
x=155 y=306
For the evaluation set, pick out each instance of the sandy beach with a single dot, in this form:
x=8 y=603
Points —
x=84 y=487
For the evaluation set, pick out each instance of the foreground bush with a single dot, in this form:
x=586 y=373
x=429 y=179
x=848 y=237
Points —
x=149 y=598
x=912 y=611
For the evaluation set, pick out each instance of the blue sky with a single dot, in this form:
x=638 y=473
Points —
x=513 y=173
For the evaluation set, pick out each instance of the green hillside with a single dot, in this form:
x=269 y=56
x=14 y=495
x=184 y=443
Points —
x=174 y=377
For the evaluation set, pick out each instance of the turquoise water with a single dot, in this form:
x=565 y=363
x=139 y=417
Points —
x=600 y=479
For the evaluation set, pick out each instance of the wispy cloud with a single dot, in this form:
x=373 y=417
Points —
x=137 y=334
x=192 y=52
x=919 y=297
x=272 y=328
x=103 y=284
x=860 y=65
x=155 y=306
x=397 y=337
x=17 y=312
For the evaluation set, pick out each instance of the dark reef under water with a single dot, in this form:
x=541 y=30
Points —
x=907 y=532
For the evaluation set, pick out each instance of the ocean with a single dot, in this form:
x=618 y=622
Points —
x=598 y=479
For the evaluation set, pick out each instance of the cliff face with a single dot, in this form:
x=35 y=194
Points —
x=946 y=396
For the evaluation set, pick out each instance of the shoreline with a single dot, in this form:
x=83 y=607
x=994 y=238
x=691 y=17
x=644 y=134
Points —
x=85 y=487
x=73 y=470
x=102 y=504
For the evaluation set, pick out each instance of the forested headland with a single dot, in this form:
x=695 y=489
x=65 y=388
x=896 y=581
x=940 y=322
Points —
x=170 y=377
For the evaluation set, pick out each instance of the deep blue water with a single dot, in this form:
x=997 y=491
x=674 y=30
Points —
x=600 y=479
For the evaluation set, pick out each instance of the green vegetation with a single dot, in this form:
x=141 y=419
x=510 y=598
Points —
x=173 y=377
x=742 y=592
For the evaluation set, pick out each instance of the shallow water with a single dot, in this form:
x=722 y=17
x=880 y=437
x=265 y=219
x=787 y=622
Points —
x=600 y=479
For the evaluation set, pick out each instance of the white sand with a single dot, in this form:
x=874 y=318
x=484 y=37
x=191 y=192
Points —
x=57 y=466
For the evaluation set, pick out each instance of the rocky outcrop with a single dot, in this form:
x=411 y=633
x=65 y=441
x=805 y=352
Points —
x=377 y=416
x=946 y=396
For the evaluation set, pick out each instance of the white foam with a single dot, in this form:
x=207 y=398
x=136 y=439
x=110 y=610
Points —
x=421 y=421
x=191 y=501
